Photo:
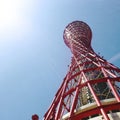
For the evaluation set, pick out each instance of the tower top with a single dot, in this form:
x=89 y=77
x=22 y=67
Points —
x=79 y=32
x=35 y=117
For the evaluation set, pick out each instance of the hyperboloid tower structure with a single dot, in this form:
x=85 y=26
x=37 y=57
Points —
x=90 y=90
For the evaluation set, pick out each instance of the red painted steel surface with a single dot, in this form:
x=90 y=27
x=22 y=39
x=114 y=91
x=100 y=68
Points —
x=90 y=87
x=35 y=117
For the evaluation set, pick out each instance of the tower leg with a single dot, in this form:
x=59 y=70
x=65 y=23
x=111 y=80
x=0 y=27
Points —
x=98 y=103
x=114 y=91
x=104 y=114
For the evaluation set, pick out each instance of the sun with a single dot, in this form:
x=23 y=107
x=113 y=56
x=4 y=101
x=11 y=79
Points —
x=13 y=19
x=9 y=12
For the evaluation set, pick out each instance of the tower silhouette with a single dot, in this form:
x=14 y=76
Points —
x=90 y=90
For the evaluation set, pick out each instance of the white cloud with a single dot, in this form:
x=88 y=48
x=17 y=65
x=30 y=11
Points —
x=114 y=58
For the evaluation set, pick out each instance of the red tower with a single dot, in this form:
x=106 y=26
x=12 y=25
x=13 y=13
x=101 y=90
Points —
x=90 y=89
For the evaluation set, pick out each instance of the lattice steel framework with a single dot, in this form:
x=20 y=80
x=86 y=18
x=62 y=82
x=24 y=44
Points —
x=91 y=86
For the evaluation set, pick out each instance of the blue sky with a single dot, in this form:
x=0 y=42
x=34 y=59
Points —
x=33 y=56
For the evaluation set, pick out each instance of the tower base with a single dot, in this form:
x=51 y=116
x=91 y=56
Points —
x=92 y=112
x=112 y=116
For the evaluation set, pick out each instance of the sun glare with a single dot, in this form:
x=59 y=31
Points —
x=9 y=12
x=12 y=15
